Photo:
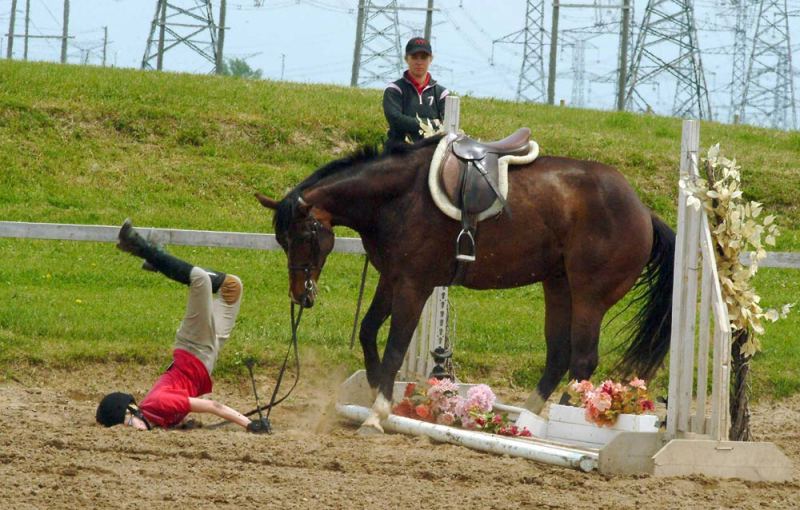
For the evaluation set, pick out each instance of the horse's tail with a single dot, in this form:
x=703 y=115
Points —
x=650 y=327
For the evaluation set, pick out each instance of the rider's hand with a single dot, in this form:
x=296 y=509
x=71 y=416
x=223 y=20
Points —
x=261 y=426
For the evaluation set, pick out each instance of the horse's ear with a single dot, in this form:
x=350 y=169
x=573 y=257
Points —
x=266 y=201
x=303 y=207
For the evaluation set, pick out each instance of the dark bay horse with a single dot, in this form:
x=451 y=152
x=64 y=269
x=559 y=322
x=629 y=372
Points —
x=577 y=226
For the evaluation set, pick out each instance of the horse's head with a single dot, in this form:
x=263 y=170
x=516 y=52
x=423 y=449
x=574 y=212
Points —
x=306 y=235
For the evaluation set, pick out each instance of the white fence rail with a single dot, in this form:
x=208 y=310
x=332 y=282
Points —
x=221 y=239
x=208 y=238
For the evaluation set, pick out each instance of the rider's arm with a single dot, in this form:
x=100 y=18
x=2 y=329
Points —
x=393 y=110
x=201 y=405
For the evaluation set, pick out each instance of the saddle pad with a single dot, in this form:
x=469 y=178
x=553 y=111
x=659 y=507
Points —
x=443 y=202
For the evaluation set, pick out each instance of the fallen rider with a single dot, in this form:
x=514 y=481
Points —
x=205 y=329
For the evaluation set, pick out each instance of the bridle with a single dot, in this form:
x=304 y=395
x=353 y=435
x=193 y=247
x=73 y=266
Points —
x=309 y=289
x=313 y=264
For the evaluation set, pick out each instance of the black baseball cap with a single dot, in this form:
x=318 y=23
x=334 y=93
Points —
x=418 y=44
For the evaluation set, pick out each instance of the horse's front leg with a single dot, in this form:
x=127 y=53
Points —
x=407 y=303
x=376 y=315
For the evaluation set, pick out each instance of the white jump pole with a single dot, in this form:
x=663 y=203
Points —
x=481 y=441
x=432 y=329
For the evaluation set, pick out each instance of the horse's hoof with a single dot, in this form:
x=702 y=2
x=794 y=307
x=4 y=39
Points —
x=535 y=403
x=370 y=430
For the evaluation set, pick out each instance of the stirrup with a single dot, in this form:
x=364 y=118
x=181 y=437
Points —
x=465 y=257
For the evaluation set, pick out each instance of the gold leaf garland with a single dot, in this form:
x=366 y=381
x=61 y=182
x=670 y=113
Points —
x=736 y=228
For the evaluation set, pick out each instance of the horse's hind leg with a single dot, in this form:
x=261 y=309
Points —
x=587 y=316
x=558 y=306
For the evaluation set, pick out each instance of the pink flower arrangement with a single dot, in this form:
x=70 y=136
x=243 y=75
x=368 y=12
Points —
x=441 y=403
x=607 y=401
x=444 y=400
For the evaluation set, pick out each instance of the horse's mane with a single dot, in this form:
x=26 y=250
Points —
x=285 y=212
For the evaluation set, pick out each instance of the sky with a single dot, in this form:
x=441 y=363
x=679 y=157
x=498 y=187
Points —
x=313 y=41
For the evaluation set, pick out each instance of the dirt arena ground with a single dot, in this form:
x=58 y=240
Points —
x=53 y=455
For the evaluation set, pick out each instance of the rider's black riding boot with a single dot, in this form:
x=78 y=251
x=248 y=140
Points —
x=156 y=259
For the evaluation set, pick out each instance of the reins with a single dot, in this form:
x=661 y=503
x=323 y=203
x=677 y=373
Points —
x=273 y=401
x=309 y=289
x=292 y=346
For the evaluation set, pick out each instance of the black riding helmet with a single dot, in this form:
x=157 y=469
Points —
x=113 y=407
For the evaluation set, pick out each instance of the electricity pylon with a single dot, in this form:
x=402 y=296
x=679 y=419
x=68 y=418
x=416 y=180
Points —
x=745 y=10
x=667 y=45
x=187 y=23
x=578 y=72
x=768 y=97
x=376 y=58
x=531 y=85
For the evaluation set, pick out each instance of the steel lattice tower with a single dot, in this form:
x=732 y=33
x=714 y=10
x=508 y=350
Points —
x=578 y=72
x=667 y=45
x=377 y=57
x=745 y=9
x=190 y=24
x=531 y=85
x=768 y=97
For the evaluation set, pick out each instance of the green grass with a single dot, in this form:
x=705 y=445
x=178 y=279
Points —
x=92 y=145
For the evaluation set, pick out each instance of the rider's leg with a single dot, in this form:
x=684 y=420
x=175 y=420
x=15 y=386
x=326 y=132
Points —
x=159 y=260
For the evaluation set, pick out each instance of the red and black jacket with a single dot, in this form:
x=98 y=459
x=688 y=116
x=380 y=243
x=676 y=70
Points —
x=402 y=103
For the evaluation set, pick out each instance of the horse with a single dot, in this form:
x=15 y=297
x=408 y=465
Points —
x=577 y=227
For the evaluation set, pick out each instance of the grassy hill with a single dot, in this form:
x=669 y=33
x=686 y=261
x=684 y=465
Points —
x=93 y=145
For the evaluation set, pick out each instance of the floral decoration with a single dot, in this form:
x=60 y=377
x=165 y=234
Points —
x=441 y=403
x=737 y=228
x=604 y=403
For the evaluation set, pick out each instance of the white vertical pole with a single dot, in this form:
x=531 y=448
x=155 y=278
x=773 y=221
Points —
x=431 y=331
x=684 y=301
x=699 y=421
x=452 y=105
x=692 y=270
